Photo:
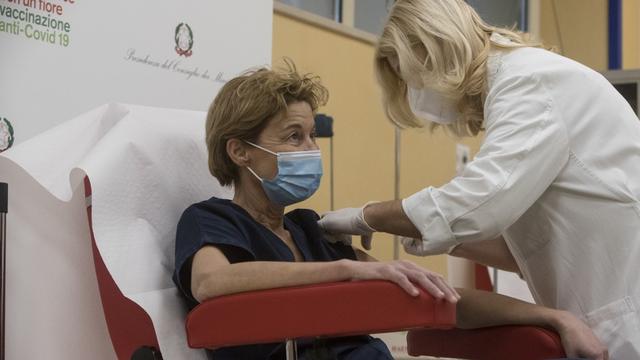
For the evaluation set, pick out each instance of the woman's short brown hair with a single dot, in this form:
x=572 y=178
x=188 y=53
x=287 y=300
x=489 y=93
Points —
x=244 y=106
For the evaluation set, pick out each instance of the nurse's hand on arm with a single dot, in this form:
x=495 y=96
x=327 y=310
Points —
x=524 y=149
x=212 y=275
x=385 y=216
x=478 y=309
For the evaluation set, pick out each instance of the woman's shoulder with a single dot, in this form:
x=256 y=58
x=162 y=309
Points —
x=212 y=202
x=304 y=217
x=320 y=248
x=304 y=213
x=211 y=208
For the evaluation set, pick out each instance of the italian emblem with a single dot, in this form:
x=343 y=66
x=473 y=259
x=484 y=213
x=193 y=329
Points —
x=184 y=40
x=6 y=134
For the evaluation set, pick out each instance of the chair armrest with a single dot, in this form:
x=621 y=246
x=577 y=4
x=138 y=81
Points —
x=328 y=310
x=492 y=343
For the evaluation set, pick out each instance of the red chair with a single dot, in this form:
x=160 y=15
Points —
x=130 y=327
x=494 y=343
x=328 y=310
x=339 y=309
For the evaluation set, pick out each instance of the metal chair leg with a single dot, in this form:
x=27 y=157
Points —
x=291 y=350
x=4 y=204
x=146 y=353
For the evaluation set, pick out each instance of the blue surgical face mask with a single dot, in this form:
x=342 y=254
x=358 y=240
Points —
x=299 y=174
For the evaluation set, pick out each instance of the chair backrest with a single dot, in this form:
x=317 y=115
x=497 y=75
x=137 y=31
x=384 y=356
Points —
x=140 y=176
x=130 y=327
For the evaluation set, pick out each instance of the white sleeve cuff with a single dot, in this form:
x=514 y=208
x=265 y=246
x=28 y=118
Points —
x=424 y=212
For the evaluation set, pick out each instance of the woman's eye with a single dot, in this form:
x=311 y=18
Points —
x=295 y=136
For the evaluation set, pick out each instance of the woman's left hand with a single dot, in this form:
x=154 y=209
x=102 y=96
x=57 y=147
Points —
x=405 y=274
x=578 y=339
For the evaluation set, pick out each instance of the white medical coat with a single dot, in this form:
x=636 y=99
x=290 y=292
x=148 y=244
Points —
x=558 y=175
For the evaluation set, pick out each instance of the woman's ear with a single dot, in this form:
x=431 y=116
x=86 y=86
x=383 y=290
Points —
x=237 y=151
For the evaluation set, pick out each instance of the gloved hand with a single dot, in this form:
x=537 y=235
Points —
x=347 y=221
x=418 y=247
x=413 y=246
x=338 y=238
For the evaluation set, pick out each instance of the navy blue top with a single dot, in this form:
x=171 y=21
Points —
x=233 y=231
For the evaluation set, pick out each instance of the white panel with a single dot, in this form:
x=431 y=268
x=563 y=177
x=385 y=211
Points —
x=44 y=84
x=117 y=51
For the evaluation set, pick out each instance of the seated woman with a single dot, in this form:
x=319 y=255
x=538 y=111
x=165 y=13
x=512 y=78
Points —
x=261 y=138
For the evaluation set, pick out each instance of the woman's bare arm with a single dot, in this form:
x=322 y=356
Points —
x=478 y=309
x=212 y=275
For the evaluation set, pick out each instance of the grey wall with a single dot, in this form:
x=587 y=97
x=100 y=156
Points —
x=319 y=7
x=499 y=12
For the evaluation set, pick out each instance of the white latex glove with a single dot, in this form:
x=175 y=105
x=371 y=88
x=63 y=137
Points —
x=347 y=221
x=416 y=247
x=338 y=238
x=413 y=246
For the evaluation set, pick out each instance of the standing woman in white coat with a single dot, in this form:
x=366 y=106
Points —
x=553 y=192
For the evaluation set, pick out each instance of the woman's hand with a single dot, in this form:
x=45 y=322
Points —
x=407 y=275
x=578 y=339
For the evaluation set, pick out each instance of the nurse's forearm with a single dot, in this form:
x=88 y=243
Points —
x=490 y=252
x=389 y=217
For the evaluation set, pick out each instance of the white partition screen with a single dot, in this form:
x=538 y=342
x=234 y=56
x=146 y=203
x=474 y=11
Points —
x=61 y=58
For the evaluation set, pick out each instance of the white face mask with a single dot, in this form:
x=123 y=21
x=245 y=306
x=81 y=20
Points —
x=428 y=104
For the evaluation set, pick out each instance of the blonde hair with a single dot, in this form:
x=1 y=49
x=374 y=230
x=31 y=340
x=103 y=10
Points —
x=443 y=45
x=245 y=105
